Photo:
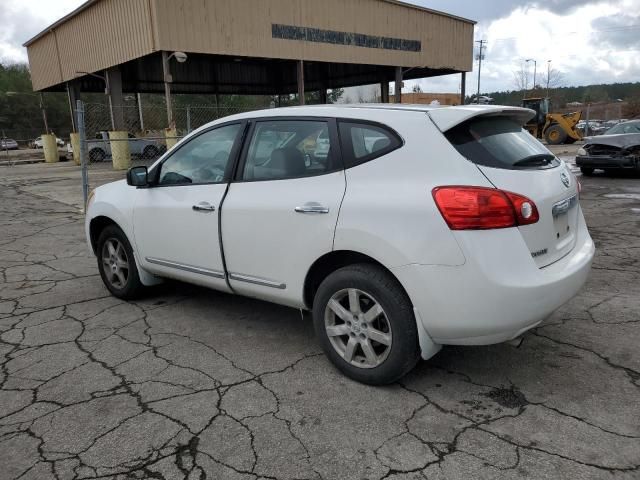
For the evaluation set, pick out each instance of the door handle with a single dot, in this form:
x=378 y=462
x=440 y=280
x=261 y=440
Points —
x=204 y=207
x=312 y=207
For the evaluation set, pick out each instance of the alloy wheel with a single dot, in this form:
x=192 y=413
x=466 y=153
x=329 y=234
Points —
x=358 y=328
x=115 y=263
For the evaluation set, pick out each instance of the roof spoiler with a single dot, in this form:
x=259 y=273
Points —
x=447 y=118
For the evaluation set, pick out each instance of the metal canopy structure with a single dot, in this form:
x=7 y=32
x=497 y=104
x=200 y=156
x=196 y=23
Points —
x=219 y=74
x=268 y=47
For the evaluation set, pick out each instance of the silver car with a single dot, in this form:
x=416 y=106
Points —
x=8 y=144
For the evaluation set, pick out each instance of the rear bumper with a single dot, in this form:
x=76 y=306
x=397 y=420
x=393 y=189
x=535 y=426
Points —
x=603 y=161
x=499 y=293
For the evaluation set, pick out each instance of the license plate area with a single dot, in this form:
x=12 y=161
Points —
x=561 y=218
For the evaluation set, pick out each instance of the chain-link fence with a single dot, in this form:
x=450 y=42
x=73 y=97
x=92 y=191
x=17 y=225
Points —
x=147 y=136
x=149 y=119
x=25 y=138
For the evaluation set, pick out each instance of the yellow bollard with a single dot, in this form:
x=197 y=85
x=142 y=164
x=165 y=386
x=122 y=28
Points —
x=75 y=146
x=170 y=135
x=120 y=153
x=50 y=148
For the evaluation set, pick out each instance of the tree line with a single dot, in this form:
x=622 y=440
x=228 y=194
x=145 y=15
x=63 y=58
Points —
x=560 y=95
x=21 y=115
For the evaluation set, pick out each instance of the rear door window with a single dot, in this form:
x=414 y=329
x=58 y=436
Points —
x=362 y=142
x=500 y=142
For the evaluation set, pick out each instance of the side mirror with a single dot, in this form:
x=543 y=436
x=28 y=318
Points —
x=138 y=177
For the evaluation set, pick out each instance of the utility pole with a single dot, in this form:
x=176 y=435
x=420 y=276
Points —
x=140 y=113
x=44 y=114
x=480 y=57
x=548 y=75
x=535 y=66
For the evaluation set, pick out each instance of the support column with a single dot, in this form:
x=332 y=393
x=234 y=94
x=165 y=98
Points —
x=73 y=94
x=140 y=111
x=398 y=87
x=114 y=80
x=120 y=152
x=50 y=148
x=463 y=87
x=384 y=91
x=301 y=82
x=167 y=87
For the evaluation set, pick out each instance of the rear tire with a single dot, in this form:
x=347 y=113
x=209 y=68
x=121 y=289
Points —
x=97 y=155
x=150 y=152
x=117 y=264
x=555 y=135
x=586 y=171
x=373 y=338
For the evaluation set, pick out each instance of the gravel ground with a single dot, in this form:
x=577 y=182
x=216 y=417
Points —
x=191 y=383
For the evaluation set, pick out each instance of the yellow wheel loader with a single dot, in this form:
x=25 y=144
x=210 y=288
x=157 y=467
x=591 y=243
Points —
x=555 y=128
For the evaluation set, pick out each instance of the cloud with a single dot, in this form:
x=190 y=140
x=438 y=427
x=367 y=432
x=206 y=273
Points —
x=23 y=19
x=484 y=11
x=590 y=42
x=617 y=31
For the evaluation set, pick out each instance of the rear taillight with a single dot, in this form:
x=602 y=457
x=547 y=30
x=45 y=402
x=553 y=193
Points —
x=481 y=208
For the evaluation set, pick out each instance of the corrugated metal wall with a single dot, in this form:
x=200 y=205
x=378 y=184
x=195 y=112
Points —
x=43 y=61
x=243 y=27
x=107 y=33
x=110 y=32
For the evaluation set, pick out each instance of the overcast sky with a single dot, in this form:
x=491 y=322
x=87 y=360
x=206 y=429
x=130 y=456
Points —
x=588 y=41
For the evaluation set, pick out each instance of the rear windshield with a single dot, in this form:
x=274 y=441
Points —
x=630 y=127
x=500 y=142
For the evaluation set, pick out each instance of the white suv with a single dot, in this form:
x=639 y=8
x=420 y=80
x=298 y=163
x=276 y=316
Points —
x=418 y=227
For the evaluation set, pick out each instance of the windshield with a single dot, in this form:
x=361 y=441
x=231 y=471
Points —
x=499 y=142
x=630 y=127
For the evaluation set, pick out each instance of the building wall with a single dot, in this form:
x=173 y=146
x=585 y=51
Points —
x=244 y=28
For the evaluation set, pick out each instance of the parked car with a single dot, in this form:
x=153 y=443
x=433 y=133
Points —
x=37 y=143
x=482 y=100
x=8 y=144
x=99 y=147
x=618 y=148
x=459 y=229
x=596 y=127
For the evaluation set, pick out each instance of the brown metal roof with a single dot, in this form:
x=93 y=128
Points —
x=382 y=34
x=88 y=3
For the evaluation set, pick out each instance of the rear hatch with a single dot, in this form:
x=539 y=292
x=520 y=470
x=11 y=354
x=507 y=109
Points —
x=513 y=160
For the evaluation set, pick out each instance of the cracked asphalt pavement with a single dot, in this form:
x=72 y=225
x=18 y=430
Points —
x=192 y=384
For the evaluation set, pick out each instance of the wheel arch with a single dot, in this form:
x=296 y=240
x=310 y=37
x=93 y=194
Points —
x=329 y=263
x=332 y=261
x=97 y=225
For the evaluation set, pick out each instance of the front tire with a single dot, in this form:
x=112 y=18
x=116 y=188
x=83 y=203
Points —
x=555 y=135
x=366 y=325
x=117 y=264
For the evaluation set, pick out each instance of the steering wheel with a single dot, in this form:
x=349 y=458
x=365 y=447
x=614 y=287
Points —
x=209 y=175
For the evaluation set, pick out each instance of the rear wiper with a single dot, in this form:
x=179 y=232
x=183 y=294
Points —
x=538 y=160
